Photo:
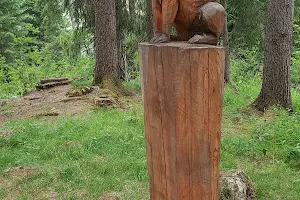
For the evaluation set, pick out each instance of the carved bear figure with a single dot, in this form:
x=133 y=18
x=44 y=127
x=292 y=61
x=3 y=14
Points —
x=195 y=21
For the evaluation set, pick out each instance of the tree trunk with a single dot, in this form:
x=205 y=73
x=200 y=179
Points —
x=225 y=43
x=105 y=37
x=276 y=74
x=150 y=19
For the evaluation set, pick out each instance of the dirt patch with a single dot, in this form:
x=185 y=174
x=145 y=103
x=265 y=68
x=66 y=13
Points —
x=5 y=133
x=20 y=172
x=13 y=193
x=110 y=196
x=52 y=195
x=5 y=182
x=9 y=178
x=54 y=102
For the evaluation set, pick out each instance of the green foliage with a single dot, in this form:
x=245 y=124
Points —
x=55 y=59
x=12 y=25
x=134 y=84
x=82 y=12
x=52 y=19
x=246 y=23
x=295 y=69
x=246 y=64
x=131 y=54
x=37 y=42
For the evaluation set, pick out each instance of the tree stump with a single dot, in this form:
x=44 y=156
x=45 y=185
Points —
x=182 y=88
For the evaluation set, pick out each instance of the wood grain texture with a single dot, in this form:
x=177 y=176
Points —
x=182 y=94
x=201 y=18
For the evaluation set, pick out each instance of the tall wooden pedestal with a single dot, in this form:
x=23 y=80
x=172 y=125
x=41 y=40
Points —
x=182 y=91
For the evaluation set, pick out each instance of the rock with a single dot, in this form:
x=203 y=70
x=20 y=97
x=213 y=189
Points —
x=235 y=185
x=79 y=91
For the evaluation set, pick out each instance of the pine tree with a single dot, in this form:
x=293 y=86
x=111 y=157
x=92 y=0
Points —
x=105 y=37
x=99 y=16
x=276 y=74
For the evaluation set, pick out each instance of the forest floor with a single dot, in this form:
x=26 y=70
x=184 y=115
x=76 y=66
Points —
x=43 y=103
x=87 y=152
x=51 y=103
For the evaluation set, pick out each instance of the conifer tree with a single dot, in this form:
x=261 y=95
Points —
x=278 y=44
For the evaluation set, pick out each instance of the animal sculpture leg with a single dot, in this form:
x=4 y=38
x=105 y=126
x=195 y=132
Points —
x=208 y=27
x=157 y=18
x=164 y=13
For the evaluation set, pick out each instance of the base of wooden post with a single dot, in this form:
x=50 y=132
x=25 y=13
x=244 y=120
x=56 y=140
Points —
x=182 y=91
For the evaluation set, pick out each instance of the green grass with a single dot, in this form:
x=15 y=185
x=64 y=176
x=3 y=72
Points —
x=104 y=151
x=81 y=83
x=99 y=152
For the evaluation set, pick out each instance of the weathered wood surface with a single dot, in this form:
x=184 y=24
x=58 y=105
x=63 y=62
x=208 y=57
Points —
x=49 y=80
x=182 y=91
x=49 y=83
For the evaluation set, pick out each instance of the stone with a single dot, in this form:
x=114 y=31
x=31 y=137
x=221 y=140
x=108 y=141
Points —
x=235 y=185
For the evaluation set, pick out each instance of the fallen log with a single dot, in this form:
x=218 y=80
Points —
x=52 y=84
x=48 y=80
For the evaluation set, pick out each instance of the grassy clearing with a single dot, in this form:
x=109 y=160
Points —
x=90 y=155
x=104 y=151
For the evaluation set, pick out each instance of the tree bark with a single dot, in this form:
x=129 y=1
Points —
x=105 y=37
x=150 y=20
x=225 y=43
x=276 y=73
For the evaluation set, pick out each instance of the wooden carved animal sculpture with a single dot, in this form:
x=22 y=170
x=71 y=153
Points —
x=195 y=21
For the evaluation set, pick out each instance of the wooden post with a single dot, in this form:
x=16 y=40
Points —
x=182 y=91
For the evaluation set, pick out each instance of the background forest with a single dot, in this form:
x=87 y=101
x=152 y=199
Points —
x=41 y=39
